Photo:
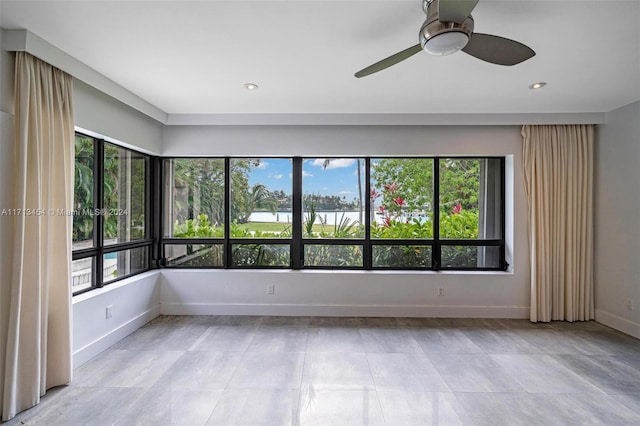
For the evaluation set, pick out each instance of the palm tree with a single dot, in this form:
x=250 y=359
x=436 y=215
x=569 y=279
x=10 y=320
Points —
x=260 y=198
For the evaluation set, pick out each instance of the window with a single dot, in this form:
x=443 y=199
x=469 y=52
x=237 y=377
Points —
x=354 y=213
x=253 y=229
x=333 y=212
x=111 y=220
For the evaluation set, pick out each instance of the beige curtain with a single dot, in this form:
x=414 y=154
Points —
x=38 y=346
x=558 y=176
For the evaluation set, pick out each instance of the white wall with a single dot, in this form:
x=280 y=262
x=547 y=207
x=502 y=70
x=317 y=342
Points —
x=356 y=292
x=109 y=118
x=134 y=301
x=617 y=236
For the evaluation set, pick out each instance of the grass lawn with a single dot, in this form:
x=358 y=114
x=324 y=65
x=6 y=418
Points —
x=277 y=227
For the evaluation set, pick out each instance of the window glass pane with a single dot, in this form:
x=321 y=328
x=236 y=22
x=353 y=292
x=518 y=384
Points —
x=194 y=197
x=125 y=189
x=470 y=198
x=126 y=262
x=82 y=274
x=470 y=257
x=401 y=198
x=194 y=255
x=83 y=201
x=401 y=256
x=261 y=255
x=261 y=202
x=333 y=197
x=333 y=255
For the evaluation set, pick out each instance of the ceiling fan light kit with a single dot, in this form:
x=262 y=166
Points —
x=448 y=29
x=443 y=38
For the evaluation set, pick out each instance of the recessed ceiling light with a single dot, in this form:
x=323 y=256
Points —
x=538 y=85
x=250 y=86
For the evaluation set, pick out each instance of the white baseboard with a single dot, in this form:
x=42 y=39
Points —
x=102 y=343
x=619 y=323
x=345 y=310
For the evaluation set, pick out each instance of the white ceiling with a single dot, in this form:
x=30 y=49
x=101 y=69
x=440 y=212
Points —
x=193 y=57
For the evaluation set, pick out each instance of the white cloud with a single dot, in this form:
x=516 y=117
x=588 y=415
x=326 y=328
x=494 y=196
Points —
x=263 y=165
x=336 y=163
x=280 y=176
x=306 y=174
x=346 y=192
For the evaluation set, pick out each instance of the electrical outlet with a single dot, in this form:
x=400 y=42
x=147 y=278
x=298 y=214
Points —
x=271 y=289
x=440 y=291
x=629 y=305
x=109 y=311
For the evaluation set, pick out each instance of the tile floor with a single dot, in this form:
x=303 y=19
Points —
x=219 y=370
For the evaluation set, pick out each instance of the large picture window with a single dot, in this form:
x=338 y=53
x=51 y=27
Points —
x=111 y=220
x=354 y=213
x=421 y=213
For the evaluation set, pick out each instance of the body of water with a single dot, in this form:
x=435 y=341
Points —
x=328 y=218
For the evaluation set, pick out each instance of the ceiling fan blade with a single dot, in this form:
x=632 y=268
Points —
x=455 y=10
x=391 y=60
x=497 y=50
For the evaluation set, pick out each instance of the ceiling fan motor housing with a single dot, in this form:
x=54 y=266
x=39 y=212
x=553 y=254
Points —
x=443 y=38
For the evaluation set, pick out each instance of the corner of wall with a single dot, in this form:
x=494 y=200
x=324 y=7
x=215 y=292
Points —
x=135 y=301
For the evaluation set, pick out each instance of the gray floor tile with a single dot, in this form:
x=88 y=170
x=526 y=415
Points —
x=611 y=342
x=543 y=374
x=513 y=323
x=630 y=401
x=269 y=370
x=172 y=407
x=369 y=322
x=414 y=322
x=324 y=406
x=333 y=322
x=162 y=337
x=507 y=409
x=337 y=369
x=286 y=321
x=410 y=372
x=244 y=320
x=474 y=373
x=178 y=320
x=334 y=339
x=552 y=341
x=483 y=323
x=579 y=325
x=257 y=407
x=225 y=338
x=89 y=406
x=254 y=370
x=401 y=408
x=609 y=373
x=121 y=368
x=389 y=340
x=444 y=340
x=200 y=370
x=279 y=339
x=499 y=341
x=590 y=409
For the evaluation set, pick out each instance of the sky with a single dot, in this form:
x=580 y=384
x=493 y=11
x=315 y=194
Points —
x=338 y=178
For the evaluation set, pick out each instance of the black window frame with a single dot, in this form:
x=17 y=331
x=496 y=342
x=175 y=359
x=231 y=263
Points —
x=151 y=215
x=297 y=242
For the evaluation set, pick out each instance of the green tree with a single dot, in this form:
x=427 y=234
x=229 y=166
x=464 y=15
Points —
x=459 y=183
x=83 y=189
x=410 y=179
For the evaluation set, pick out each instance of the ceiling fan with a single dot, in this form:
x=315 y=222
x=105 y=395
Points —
x=449 y=28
